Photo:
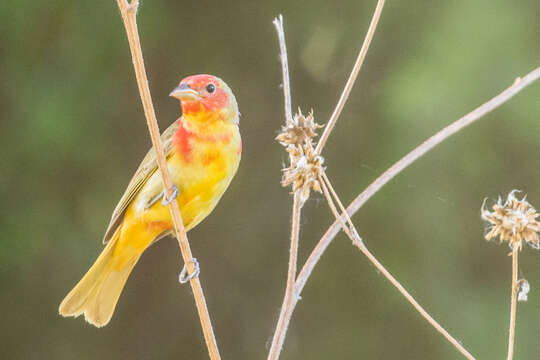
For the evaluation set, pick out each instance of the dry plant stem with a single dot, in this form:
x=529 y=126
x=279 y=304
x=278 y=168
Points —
x=352 y=78
x=413 y=302
x=395 y=169
x=361 y=199
x=513 y=305
x=278 y=23
x=291 y=298
x=129 y=14
x=346 y=229
x=353 y=235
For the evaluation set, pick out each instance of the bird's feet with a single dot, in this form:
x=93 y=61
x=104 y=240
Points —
x=184 y=278
x=163 y=197
x=174 y=195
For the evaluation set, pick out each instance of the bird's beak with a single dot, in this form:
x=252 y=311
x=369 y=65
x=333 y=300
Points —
x=184 y=92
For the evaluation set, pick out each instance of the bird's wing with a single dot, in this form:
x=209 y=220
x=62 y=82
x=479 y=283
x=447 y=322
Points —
x=147 y=167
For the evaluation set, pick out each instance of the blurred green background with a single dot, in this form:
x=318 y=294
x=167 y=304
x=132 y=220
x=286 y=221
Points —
x=72 y=133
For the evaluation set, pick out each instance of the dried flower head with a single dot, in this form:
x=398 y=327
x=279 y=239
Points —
x=305 y=165
x=514 y=221
x=300 y=132
x=303 y=173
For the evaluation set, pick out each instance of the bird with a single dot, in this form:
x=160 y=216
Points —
x=203 y=149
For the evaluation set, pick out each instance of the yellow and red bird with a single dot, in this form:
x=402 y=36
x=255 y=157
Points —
x=203 y=149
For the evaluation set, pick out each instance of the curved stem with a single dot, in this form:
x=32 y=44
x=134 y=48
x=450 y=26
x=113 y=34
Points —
x=408 y=159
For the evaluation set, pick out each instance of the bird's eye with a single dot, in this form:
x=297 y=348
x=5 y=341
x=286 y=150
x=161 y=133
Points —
x=210 y=88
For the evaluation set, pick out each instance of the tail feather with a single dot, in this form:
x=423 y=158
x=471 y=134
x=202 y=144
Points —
x=98 y=291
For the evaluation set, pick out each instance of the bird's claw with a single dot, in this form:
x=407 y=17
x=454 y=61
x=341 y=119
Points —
x=162 y=196
x=174 y=195
x=184 y=278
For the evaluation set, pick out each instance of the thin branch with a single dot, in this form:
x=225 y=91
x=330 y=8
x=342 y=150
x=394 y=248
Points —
x=128 y=11
x=289 y=303
x=395 y=169
x=278 y=23
x=348 y=228
x=513 y=304
x=290 y=298
x=353 y=235
x=352 y=78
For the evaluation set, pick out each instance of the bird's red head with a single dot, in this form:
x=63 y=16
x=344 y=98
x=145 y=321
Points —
x=206 y=96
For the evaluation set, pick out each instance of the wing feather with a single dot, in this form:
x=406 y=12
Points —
x=147 y=167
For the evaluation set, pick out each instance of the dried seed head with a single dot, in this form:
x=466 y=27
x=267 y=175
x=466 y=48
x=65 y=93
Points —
x=514 y=221
x=303 y=173
x=300 y=132
x=305 y=165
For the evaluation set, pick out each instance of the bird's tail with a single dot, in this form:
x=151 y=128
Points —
x=98 y=291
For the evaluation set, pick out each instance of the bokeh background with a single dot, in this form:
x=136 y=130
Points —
x=72 y=132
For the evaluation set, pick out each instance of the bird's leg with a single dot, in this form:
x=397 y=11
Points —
x=182 y=278
x=154 y=200
x=163 y=198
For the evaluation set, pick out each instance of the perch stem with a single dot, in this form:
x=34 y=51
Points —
x=128 y=11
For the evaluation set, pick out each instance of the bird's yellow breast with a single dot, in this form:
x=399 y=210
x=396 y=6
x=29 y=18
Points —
x=206 y=164
x=202 y=167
